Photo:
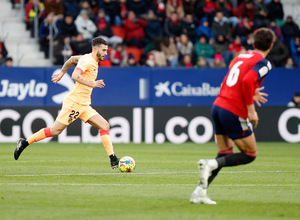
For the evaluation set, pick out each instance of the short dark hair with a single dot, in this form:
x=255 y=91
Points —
x=263 y=38
x=97 y=41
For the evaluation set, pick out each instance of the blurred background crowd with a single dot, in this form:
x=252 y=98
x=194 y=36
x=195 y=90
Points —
x=160 y=33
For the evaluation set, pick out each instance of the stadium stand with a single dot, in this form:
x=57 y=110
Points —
x=25 y=50
x=20 y=46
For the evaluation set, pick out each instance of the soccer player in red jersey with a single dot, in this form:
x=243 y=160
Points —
x=233 y=112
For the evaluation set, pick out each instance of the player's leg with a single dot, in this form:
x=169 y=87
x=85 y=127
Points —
x=100 y=123
x=43 y=133
x=239 y=130
x=225 y=147
x=64 y=118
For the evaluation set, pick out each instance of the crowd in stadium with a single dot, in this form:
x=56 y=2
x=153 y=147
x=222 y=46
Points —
x=158 y=33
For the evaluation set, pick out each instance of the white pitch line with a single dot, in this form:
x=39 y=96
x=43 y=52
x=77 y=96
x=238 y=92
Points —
x=134 y=173
x=147 y=184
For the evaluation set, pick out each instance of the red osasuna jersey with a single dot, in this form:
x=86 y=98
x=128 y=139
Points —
x=245 y=74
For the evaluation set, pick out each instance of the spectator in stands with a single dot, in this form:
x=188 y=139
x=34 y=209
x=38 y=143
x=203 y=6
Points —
x=249 y=42
x=49 y=22
x=118 y=55
x=246 y=8
x=276 y=12
x=172 y=26
x=55 y=6
x=139 y=7
x=205 y=8
x=85 y=5
x=71 y=7
x=153 y=28
x=295 y=50
x=295 y=101
x=244 y=28
x=261 y=14
x=273 y=26
x=187 y=61
x=30 y=14
x=225 y=7
x=189 y=27
x=289 y=30
x=85 y=26
x=201 y=62
x=188 y=6
x=68 y=27
x=159 y=8
x=278 y=55
x=62 y=50
x=175 y=6
x=112 y=11
x=220 y=46
x=218 y=62
x=80 y=45
x=104 y=29
x=220 y=26
x=184 y=46
x=123 y=9
x=3 y=52
x=169 y=48
x=235 y=47
x=289 y=63
x=8 y=62
x=156 y=58
x=135 y=33
x=204 y=29
x=131 y=61
x=204 y=49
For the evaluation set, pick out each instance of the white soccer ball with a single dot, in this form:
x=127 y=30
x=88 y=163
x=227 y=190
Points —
x=126 y=164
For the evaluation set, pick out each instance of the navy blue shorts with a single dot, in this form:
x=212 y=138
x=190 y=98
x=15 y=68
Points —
x=227 y=123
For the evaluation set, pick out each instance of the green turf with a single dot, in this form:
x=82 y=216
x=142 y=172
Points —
x=75 y=181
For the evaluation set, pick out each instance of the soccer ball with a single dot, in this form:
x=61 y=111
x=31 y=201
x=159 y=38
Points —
x=126 y=164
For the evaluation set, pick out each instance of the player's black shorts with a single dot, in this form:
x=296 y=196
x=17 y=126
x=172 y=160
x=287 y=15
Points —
x=227 y=123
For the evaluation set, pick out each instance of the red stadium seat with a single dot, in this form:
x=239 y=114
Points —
x=119 y=31
x=135 y=51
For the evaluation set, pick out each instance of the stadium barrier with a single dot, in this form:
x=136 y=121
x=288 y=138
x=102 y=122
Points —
x=136 y=87
x=141 y=105
x=146 y=124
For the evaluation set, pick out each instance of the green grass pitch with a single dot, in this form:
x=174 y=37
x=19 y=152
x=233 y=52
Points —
x=75 y=181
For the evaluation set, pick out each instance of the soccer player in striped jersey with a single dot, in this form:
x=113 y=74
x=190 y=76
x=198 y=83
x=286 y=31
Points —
x=77 y=102
x=233 y=112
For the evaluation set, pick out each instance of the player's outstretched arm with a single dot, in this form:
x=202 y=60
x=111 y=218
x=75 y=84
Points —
x=73 y=60
x=260 y=97
x=76 y=75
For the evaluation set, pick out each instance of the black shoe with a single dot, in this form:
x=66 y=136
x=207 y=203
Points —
x=20 y=147
x=114 y=161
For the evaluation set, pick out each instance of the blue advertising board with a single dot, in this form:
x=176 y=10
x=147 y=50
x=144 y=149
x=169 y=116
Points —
x=136 y=86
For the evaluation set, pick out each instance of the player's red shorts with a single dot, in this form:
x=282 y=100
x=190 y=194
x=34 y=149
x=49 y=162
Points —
x=71 y=110
x=227 y=123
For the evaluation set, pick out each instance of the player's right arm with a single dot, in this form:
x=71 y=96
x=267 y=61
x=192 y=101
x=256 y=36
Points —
x=73 y=60
x=77 y=76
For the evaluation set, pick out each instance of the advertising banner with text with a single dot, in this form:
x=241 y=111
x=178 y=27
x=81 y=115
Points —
x=138 y=87
x=146 y=124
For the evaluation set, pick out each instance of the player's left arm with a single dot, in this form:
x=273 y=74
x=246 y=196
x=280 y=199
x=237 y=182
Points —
x=250 y=91
x=77 y=76
x=73 y=60
x=252 y=80
x=260 y=97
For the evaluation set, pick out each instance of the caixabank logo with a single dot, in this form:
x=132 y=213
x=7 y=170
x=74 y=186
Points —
x=180 y=89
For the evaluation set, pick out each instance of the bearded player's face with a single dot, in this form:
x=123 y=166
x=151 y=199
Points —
x=102 y=52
